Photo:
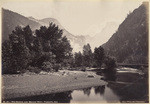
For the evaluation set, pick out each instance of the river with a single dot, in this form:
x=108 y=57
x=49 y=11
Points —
x=130 y=85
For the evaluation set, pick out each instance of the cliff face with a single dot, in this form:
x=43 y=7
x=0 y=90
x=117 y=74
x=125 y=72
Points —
x=130 y=43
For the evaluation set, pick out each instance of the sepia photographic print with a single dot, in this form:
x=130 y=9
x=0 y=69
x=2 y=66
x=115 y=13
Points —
x=74 y=51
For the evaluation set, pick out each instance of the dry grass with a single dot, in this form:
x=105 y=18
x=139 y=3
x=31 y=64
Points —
x=30 y=85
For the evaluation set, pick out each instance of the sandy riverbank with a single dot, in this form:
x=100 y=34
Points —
x=26 y=85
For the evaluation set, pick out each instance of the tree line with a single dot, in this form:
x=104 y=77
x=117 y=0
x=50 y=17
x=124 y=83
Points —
x=96 y=59
x=46 y=49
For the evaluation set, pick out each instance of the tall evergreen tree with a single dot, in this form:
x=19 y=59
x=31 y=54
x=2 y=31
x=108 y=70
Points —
x=99 y=56
x=87 y=56
x=27 y=32
x=78 y=59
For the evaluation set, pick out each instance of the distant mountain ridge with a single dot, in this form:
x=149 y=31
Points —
x=77 y=42
x=104 y=35
x=11 y=19
x=130 y=43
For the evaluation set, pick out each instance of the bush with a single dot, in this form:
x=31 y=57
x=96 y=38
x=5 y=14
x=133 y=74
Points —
x=110 y=63
x=56 y=67
x=34 y=69
x=47 y=66
x=110 y=70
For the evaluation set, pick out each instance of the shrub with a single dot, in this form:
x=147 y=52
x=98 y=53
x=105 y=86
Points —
x=110 y=63
x=34 y=69
x=47 y=66
x=56 y=67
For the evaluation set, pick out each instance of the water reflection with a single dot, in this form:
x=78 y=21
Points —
x=64 y=97
x=91 y=94
x=97 y=94
x=114 y=92
x=108 y=76
x=132 y=88
x=87 y=91
x=129 y=85
x=137 y=91
x=100 y=90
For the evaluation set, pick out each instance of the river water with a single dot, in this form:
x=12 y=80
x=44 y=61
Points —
x=95 y=94
x=130 y=85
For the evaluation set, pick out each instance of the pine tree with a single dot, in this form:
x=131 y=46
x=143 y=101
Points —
x=99 y=56
x=78 y=59
x=87 y=56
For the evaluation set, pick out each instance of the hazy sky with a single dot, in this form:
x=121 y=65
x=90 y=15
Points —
x=79 y=18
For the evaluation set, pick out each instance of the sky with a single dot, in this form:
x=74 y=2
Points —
x=78 y=17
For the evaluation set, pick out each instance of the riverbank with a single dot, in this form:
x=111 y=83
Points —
x=26 y=85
